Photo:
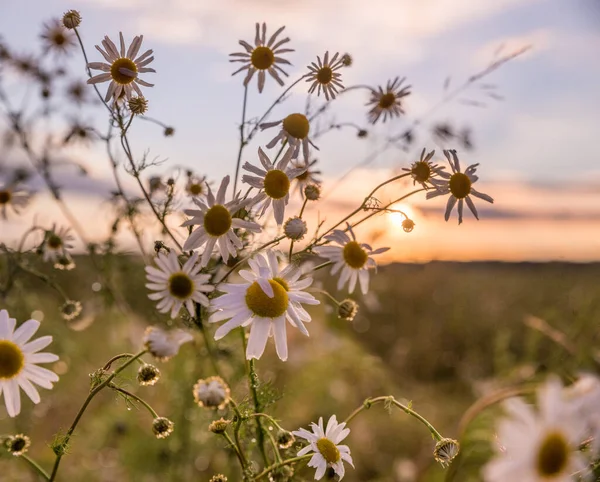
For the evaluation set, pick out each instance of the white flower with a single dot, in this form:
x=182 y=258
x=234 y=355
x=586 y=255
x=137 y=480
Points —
x=55 y=245
x=325 y=444
x=264 y=56
x=11 y=196
x=176 y=285
x=216 y=224
x=18 y=362
x=294 y=129
x=309 y=177
x=538 y=446
x=352 y=258
x=324 y=75
x=584 y=394
x=387 y=102
x=459 y=186
x=274 y=180
x=212 y=393
x=196 y=186
x=165 y=344
x=268 y=298
x=122 y=68
x=424 y=171
x=295 y=228
x=57 y=38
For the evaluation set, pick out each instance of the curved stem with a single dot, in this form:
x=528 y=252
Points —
x=87 y=401
x=135 y=397
x=392 y=401
x=35 y=466
x=237 y=450
x=281 y=464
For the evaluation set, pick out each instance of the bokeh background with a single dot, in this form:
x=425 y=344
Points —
x=456 y=313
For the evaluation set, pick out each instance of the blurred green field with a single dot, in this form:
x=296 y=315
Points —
x=439 y=334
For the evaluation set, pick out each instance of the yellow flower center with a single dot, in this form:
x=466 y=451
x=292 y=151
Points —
x=276 y=184
x=196 y=189
x=328 y=450
x=58 y=38
x=12 y=360
x=460 y=185
x=217 y=220
x=261 y=305
x=304 y=176
x=282 y=282
x=324 y=75
x=553 y=455
x=387 y=100
x=296 y=125
x=421 y=171
x=54 y=241
x=262 y=58
x=5 y=197
x=354 y=255
x=181 y=286
x=118 y=76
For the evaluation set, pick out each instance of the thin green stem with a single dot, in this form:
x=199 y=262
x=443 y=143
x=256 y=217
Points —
x=135 y=397
x=392 y=401
x=237 y=450
x=377 y=211
x=281 y=464
x=207 y=340
x=253 y=384
x=35 y=466
x=87 y=401
x=243 y=141
x=115 y=358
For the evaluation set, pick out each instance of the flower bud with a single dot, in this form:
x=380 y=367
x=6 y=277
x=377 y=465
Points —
x=148 y=375
x=347 y=310
x=312 y=192
x=138 y=105
x=169 y=131
x=445 y=451
x=218 y=478
x=70 y=310
x=219 y=426
x=295 y=228
x=71 y=19
x=212 y=393
x=285 y=439
x=408 y=225
x=162 y=427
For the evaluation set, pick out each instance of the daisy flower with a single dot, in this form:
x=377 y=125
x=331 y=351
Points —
x=460 y=186
x=264 y=56
x=351 y=257
x=538 y=446
x=164 y=345
x=122 y=68
x=18 y=362
x=196 y=186
x=216 y=224
x=585 y=397
x=13 y=197
x=325 y=444
x=424 y=171
x=269 y=298
x=274 y=180
x=212 y=393
x=294 y=129
x=389 y=101
x=57 y=38
x=55 y=246
x=308 y=177
x=324 y=75
x=176 y=286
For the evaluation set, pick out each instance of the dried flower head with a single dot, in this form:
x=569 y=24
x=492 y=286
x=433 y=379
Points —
x=388 y=101
x=445 y=451
x=169 y=131
x=219 y=426
x=218 y=478
x=57 y=38
x=162 y=427
x=347 y=309
x=309 y=176
x=362 y=133
x=17 y=444
x=285 y=439
x=70 y=310
x=165 y=344
x=263 y=57
x=312 y=192
x=408 y=225
x=295 y=228
x=138 y=105
x=347 y=60
x=212 y=392
x=148 y=375
x=71 y=19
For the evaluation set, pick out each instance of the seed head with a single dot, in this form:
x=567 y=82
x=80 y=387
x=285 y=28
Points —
x=445 y=451
x=219 y=426
x=169 y=131
x=408 y=225
x=347 y=310
x=71 y=19
x=162 y=427
x=295 y=228
x=138 y=105
x=347 y=60
x=312 y=192
x=148 y=375
x=70 y=310
x=285 y=439
x=218 y=478
x=17 y=444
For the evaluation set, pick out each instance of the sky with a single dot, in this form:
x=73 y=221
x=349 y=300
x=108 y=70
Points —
x=535 y=148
